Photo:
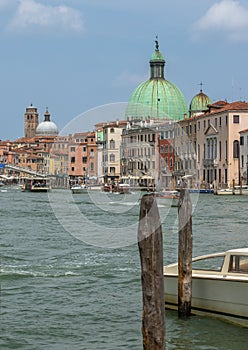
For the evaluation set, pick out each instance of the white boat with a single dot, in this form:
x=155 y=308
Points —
x=168 y=194
x=219 y=286
x=123 y=188
x=79 y=189
x=233 y=191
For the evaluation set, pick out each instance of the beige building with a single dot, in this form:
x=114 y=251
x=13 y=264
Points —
x=112 y=132
x=185 y=149
x=244 y=155
x=218 y=143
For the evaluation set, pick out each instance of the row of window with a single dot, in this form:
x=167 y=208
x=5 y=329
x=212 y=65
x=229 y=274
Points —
x=84 y=149
x=85 y=168
x=206 y=123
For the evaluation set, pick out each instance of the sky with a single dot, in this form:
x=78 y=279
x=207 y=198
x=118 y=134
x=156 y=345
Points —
x=80 y=58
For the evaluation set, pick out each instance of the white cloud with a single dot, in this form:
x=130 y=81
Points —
x=31 y=15
x=226 y=16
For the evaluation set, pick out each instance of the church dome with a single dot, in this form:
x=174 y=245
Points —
x=199 y=103
x=156 y=98
x=47 y=127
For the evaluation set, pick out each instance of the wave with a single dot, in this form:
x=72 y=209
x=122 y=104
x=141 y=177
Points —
x=6 y=273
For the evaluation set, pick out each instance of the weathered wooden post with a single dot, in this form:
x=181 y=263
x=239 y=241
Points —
x=233 y=188
x=150 y=242
x=184 y=254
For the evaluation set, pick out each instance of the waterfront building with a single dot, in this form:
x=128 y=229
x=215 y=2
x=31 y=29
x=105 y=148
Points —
x=185 y=142
x=244 y=155
x=99 y=142
x=82 y=157
x=140 y=154
x=58 y=161
x=218 y=143
x=166 y=146
x=111 y=142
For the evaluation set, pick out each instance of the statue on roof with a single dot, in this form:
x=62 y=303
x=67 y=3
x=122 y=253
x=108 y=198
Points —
x=156 y=42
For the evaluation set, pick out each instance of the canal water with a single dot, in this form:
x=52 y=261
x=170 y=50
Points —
x=70 y=270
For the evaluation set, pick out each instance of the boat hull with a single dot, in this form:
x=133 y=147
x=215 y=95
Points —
x=216 y=296
x=78 y=190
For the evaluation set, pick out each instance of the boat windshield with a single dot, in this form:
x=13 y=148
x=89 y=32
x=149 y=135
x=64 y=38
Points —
x=214 y=263
x=238 y=264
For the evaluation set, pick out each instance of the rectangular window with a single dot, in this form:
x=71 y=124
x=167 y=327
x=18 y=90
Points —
x=238 y=264
x=72 y=149
x=72 y=159
x=219 y=121
x=241 y=140
x=236 y=119
x=84 y=159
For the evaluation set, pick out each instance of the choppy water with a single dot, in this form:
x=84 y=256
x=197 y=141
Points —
x=59 y=292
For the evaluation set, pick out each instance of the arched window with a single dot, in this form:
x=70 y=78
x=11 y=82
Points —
x=112 y=144
x=235 y=149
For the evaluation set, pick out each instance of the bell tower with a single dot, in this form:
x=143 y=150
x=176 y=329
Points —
x=31 y=121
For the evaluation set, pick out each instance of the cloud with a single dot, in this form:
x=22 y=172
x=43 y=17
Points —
x=6 y=4
x=225 y=16
x=31 y=15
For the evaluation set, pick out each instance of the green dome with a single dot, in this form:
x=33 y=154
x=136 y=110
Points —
x=199 y=103
x=156 y=98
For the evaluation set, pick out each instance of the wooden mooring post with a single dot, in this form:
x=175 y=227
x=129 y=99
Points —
x=150 y=242
x=184 y=254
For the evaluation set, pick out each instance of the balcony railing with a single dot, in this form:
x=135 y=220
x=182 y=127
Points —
x=210 y=162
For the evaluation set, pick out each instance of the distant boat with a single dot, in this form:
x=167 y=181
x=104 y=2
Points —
x=79 y=189
x=201 y=190
x=168 y=194
x=123 y=188
x=219 y=285
x=36 y=184
x=233 y=191
x=107 y=188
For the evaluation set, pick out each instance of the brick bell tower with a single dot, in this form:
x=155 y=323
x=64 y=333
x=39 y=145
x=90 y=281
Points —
x=31 y=121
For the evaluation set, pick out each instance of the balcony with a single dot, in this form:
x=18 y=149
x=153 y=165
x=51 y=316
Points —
x=210 y=163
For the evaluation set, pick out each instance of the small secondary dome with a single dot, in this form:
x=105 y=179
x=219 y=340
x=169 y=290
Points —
x=47 y=127
x=156 y=98
x=199 y=103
